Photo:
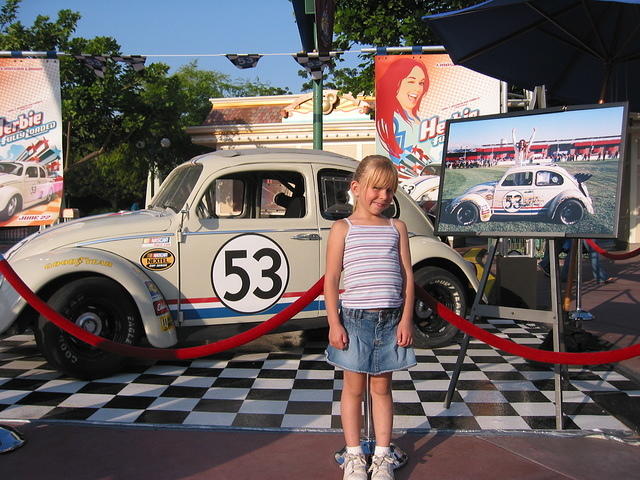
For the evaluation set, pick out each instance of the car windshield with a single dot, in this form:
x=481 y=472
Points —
x=12 y=168
x=177 y=187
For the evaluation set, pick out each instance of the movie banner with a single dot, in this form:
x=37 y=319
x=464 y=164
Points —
x=30 y=142
x=415 y=95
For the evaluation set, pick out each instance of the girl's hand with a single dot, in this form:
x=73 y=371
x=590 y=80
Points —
x=404 y=332
x=338 y=337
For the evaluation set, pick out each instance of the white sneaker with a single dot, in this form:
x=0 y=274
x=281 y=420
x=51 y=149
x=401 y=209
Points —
x=382 y=467
x=354 y=466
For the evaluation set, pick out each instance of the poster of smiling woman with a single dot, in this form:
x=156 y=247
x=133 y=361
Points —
x=415 y=95
x=30 y=139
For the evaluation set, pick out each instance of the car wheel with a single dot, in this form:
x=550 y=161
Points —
x=100 y=306
x=467 y=214
x=570 y=212
x=14 y=205
x=430 y=330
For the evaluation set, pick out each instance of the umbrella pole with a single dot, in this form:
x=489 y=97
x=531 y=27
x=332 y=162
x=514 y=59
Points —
x=605 y=83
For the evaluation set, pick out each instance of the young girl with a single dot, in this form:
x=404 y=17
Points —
x=371 y=331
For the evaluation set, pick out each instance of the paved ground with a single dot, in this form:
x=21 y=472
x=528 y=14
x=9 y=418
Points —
x=64 y=451
x=143 y=433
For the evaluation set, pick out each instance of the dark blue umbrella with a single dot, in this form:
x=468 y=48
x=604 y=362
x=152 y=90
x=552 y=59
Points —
x=583 y=51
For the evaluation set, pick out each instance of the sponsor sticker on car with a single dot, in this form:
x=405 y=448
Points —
x=157 y=259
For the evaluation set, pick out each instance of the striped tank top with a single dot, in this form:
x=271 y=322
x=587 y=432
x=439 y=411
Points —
x=371 y=267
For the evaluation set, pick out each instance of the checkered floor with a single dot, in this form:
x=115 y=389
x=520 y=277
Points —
x=297 y=389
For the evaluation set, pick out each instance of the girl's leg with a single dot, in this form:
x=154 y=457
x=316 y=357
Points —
x=382 y=404
x=353 y=387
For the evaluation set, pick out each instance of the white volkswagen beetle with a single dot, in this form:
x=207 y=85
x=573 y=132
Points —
x=23 y=184
x=546 y=190
x=231 y=238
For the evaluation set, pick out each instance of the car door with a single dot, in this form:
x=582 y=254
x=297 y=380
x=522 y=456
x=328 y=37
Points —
x=513 y=194
x=31 y=189
x=250 y=245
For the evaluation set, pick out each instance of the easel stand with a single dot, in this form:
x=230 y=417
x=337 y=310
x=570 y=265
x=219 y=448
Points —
x=552 y=317
x=368 y=441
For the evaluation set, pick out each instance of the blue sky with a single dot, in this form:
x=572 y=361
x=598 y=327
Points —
x=193 y=27
x=549 y=126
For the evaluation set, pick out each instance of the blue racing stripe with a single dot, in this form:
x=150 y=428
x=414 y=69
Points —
x=204 y=313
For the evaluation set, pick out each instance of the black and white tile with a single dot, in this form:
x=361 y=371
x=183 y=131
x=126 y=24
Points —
x=297 y=389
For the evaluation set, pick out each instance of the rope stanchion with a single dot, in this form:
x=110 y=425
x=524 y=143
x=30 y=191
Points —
x=590 y=358
x=156 y=353
x=613 y=256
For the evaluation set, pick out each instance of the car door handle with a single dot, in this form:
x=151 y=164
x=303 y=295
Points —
x=306 y=236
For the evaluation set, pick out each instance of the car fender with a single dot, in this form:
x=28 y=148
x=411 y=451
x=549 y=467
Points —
x=561 y=197
x=6 y=192
x=430 y=250
x=483 y=205
x=42 y=269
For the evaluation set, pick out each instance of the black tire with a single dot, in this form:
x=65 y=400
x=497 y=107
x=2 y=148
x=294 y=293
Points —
x=14 y=205
x=570 y=212
x=102 y=307
x=430 y=330
x=467 y=214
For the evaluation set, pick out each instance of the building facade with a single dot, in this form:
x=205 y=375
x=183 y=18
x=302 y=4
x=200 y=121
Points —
x=287 y=121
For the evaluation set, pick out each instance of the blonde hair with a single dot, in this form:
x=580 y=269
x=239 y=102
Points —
x=376 y=170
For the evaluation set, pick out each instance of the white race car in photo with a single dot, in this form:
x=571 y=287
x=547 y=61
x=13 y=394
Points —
x=423 y=189
x=533 y=190
x=23 y=184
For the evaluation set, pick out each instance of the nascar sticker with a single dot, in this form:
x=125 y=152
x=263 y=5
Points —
x=250 y=273
x=157 y=259
x=162 y=241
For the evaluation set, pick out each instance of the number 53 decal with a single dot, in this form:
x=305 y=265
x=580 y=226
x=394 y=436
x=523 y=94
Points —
x=250 y=273
x=513 y=201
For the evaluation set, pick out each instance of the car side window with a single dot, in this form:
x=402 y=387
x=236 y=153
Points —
x=545 y=178
x=336 y=201
x=32 y=172
x=282 y=195
x=268 y=194
x=335 y=198
x=518 y=179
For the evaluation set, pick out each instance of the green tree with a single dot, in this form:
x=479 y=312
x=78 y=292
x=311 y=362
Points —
x=382 y=24
x=113 y=126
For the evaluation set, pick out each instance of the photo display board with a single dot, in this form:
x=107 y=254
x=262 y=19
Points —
x=538 y=173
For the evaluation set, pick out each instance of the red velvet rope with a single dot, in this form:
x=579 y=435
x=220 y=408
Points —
x=613 y=256
x=157 y=353
x=595 y=358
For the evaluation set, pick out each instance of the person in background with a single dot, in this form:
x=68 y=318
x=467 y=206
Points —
x=521 y=148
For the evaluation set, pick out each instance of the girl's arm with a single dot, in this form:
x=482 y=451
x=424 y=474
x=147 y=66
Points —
x=405 y=326
x=335 y=249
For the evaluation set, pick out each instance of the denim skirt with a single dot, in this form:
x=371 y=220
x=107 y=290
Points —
x=373 y=346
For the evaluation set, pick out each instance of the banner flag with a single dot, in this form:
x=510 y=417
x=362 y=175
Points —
x=415 y=95
x=30 y=142
x=96 y=63
x=244 y=60
x=314 y=64
x=136 y=61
